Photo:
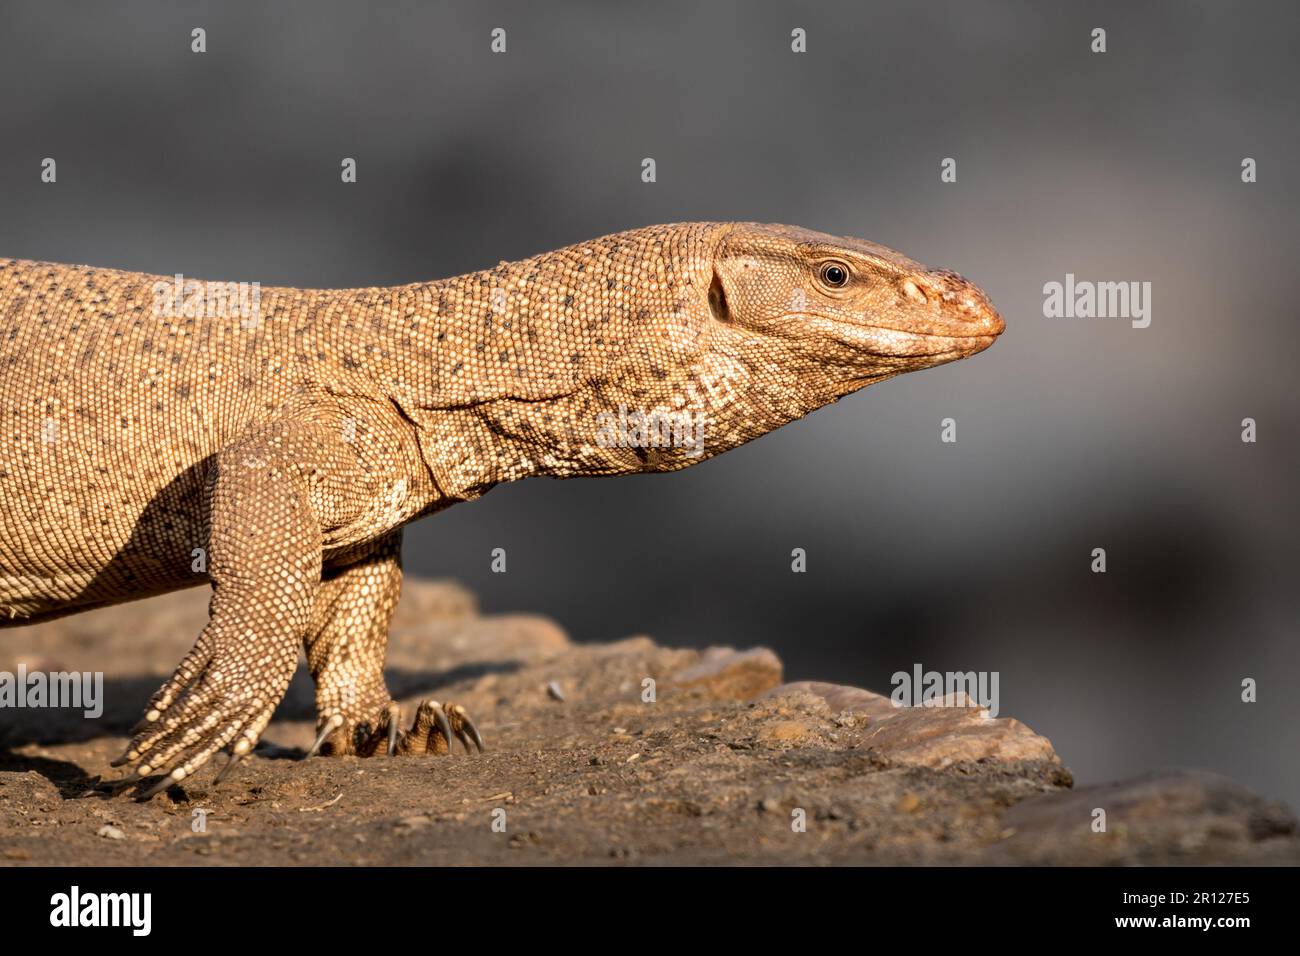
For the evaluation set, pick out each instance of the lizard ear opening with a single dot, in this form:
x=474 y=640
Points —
x=718 y=300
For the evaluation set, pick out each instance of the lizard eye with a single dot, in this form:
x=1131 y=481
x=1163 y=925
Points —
x=834 y=274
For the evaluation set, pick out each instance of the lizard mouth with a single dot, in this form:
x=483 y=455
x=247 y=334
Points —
x=884 y=341
x=879 y=352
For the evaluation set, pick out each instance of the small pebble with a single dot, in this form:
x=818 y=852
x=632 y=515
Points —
x=908 y=803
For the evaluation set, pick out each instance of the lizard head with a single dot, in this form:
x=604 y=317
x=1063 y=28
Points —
x=839 y=313
x=656 y=348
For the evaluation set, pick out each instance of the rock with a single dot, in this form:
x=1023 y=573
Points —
x=908 y=803
x=786 y=731
x=110 y=833
x=1200 y=816
x=474 y=641
x=27 y=791
x=426 y=601
x=928 y=736
x=728 y=674
x=839 y=697
x=712 y=769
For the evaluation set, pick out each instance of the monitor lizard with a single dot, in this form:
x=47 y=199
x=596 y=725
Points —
x=155 y=440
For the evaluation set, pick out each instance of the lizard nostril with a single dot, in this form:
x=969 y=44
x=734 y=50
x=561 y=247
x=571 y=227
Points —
x=939 y=285
x=913 y=292
x=965 y=300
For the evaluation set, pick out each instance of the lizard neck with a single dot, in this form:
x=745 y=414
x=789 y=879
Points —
x=506 y=373
x=598 y=359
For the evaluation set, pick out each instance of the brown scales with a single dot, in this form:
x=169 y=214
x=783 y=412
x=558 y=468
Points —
x=277 y=454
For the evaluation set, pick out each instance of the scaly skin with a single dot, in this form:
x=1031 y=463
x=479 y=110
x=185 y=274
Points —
x=278 y=458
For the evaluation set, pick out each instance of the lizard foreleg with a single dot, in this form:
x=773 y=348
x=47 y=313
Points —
x=265 y=564
x=345 y=653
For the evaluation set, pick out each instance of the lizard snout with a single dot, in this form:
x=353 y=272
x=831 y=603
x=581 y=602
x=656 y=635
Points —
x=957 y=299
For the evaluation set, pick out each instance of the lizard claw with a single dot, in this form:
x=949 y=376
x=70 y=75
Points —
x=213 y=712
x=466 y=730
x=165 y=781
x=392 y=732
x=327 y=728
x=114 y=787
x=433 y=731
x=231 y=761
x=436 y=726
x=440 y=717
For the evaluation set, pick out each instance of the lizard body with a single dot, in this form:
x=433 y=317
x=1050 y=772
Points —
x=278 y=455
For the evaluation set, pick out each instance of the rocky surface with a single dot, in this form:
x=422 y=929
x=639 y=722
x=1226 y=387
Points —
x=725 y=764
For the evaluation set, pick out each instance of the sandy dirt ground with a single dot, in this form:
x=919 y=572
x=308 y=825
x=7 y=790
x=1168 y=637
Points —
x=725 y=765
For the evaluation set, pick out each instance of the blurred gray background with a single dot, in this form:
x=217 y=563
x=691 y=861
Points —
x=1072 y=434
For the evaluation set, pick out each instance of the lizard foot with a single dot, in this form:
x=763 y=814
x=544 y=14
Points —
x=201 y=709
x=432 y=731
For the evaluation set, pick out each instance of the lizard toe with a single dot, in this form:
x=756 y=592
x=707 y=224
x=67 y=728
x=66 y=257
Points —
x=194 y=705
x=378 y=732
x=191 y=666
x=209 y=703
x=164 y=750
x=195 y=745
x=434 y=728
